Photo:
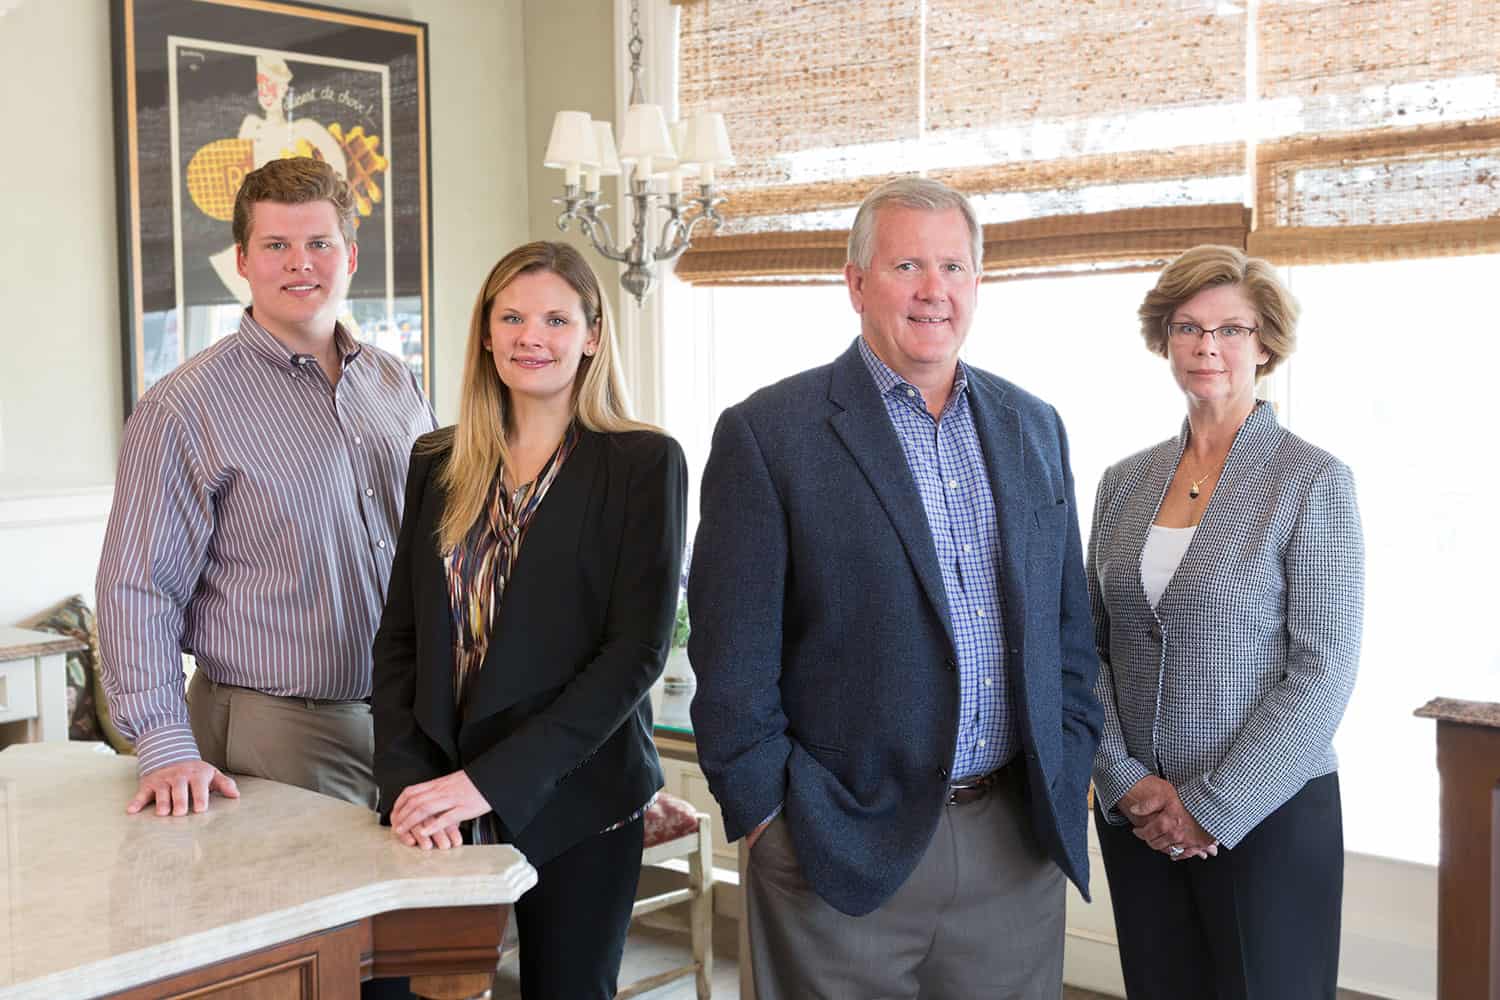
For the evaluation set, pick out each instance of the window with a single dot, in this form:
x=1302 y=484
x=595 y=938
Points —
x=1392 y=383
x=720 y=344
x=1348 y=153
x=1391 y=376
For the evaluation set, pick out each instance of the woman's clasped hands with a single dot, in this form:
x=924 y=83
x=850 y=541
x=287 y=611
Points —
x=1163 y=822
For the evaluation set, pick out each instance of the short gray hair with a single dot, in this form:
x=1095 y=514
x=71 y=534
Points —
x=910 y=192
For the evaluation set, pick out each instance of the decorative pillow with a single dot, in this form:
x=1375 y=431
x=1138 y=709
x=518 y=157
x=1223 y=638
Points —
x=88 y=706
x=669 y=818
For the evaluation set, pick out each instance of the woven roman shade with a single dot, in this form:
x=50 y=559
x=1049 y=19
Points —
x=1382 y=126
x=1104 y=135
x=822 y=101
x=1050 y=112
x=1134 y=239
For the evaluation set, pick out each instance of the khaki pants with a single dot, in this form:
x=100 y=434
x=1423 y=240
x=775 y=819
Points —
x=325 y=746
x=981 y=918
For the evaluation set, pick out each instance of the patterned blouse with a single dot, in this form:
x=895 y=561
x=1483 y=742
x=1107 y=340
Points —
x=478 y=570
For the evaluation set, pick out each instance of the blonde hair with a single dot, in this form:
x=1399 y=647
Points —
x=600 y=402
x=1208 y=266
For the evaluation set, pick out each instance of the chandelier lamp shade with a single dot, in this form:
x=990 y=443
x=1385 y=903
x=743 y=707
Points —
x=654 y=162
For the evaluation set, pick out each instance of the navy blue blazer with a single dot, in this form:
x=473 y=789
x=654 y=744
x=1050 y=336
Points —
x=822 y=639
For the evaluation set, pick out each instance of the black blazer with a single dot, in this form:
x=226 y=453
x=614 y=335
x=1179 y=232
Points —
x=556 y=734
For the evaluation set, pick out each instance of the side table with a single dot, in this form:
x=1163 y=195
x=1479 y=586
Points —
x=34 y=685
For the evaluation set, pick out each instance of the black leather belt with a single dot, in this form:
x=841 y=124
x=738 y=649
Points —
x=961 y=793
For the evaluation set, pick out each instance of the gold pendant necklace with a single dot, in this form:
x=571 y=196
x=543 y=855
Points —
x=1195 y=490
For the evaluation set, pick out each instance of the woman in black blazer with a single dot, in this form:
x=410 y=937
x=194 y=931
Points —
x=530 y=609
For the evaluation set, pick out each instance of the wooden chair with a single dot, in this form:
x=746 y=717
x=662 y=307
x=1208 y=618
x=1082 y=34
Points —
x=676 y=830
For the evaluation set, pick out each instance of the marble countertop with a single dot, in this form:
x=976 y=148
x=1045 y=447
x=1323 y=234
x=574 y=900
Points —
x=1473 y=713
x=94 y=900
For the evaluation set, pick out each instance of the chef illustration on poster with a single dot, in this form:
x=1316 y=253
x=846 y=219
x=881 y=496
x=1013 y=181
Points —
x=272 y=135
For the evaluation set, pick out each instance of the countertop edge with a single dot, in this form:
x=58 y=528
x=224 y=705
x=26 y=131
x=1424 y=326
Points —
x=243 y=937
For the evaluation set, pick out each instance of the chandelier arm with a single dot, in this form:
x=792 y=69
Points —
x=596 y=221
x=605 y=246
x=708 y=214
x=674 y=236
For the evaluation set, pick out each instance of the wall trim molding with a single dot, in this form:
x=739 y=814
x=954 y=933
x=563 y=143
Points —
x=73 y=506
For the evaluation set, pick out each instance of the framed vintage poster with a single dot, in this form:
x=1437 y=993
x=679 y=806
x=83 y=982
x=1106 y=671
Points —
x=207 y=90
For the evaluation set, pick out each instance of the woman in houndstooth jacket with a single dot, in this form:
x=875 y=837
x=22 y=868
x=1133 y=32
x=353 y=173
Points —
x=1226 y=569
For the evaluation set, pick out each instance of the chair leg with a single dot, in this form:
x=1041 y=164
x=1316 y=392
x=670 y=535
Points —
x=701 y=875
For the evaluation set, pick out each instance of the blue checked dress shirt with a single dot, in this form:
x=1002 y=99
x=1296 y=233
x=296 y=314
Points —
x=948 y=467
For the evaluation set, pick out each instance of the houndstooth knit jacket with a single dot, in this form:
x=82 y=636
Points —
x=1232 y=687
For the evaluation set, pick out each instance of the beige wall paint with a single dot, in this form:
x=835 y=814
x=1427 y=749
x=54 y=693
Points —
x=60 y=381
x=570 y=65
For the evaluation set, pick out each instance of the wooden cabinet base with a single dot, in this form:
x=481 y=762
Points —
x=1468 y=758
x=446 y=950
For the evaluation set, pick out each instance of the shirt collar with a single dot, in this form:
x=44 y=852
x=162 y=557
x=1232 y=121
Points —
x=264 y=343
x=888 y=383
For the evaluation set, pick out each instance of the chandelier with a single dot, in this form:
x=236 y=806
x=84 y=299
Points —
x=655 y=156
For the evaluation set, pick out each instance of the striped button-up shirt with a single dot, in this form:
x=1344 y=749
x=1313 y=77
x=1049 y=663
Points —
x=255 y=516
x=947 y=464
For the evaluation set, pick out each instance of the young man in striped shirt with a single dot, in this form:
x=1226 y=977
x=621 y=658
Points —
x=256 y=509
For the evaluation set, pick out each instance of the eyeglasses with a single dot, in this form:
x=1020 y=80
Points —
x=1192 y=331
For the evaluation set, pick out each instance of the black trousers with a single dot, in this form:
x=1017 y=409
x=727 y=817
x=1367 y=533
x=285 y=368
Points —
x=573 y=922
x=1259 y=922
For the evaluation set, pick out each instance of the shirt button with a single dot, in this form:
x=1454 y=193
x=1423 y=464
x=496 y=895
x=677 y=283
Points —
x=980 y=612
x=358 y=439
x=380 y=544
x=953 y=484
x=980 y=744
x=989 y=682
x=911 y=392
x=369 y=491
x=968 y=547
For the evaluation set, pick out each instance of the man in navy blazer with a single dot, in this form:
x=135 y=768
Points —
x=893 y=646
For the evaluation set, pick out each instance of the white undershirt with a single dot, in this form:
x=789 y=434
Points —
x=1160 y=558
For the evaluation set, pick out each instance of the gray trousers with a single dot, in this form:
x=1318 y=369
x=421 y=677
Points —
x=982 y=916
x=324 y=746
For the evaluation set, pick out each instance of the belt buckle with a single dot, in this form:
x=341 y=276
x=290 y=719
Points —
x=962 y=793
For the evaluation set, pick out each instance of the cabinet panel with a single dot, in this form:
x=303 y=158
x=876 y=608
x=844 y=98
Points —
x=323 y=966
